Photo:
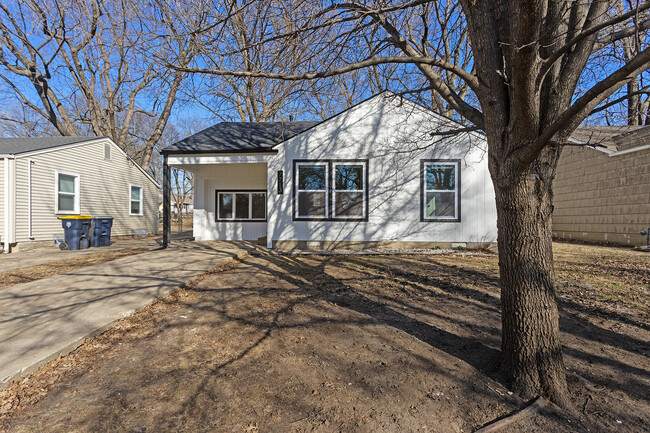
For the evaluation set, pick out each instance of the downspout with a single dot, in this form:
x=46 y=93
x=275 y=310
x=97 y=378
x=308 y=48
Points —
x=29 y=198
x=6 y=206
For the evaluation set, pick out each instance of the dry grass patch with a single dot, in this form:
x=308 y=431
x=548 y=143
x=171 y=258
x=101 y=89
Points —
x=57 y=267
x=344 y=343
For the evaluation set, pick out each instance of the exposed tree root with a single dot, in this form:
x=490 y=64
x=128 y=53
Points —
x=531 y=409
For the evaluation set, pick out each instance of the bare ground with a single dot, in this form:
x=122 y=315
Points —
x=348 y=343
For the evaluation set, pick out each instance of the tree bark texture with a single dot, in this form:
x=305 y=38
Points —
x=531 y=352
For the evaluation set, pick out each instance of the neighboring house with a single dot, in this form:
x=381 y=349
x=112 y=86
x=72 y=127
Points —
x=602 y=191
x=369 y=176
x=188 y=206
x=48 y=177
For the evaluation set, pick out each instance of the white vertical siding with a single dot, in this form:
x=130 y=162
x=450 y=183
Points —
x=394 y=136
x=228 y=176
x=104 y=190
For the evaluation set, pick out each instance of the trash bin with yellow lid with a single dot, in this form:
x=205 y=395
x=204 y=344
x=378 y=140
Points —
x=77 y=232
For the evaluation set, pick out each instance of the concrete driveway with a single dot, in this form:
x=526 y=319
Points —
x=40 y=256
x=43 y=319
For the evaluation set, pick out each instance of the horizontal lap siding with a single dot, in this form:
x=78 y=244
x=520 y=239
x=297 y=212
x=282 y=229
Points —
x=104 y=190
x=600 y=198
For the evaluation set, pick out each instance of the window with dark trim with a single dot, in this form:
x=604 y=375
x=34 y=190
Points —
x=440 y=190
x=240 y=205
x=330 y=190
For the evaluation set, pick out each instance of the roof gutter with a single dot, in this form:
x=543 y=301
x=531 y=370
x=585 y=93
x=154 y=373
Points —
x=626 y=151
x=610 y=152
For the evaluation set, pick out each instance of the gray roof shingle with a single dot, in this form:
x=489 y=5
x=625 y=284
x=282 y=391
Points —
x=18 y=145
x=233 y=137
x=613 y=137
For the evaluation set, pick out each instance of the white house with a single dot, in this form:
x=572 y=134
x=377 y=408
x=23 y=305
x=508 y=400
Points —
x=372 y=175
x=44 y=178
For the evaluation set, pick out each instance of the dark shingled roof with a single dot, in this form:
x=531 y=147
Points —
x=233 y=137
x=18 y=145
x=613 y=137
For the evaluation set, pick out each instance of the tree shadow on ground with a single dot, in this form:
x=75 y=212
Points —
x=272 y=294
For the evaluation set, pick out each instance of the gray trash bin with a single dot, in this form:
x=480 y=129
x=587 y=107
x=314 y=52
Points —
x=102 y=231
x=77 y=232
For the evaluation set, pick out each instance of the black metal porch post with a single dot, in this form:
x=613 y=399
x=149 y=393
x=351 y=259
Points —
x=167 y=217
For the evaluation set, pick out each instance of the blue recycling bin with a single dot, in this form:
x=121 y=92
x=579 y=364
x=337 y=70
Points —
x=77 y=232
x=102 y=231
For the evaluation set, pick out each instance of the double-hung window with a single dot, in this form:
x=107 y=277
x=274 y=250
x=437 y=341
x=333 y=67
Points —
x=67 y=193
x=136 y=200
x=440 y=190
x=331 y=190
x=312 y=190
x=241 y=205
x=349 y=181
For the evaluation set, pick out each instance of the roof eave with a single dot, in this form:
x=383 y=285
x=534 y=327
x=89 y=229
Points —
x=212 y=152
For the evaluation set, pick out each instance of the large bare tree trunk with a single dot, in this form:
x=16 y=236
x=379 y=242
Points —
x=531 y=353
x=527 y=85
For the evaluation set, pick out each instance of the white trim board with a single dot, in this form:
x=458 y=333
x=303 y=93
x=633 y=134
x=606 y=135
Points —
x=217 y=159
x=5 y=168
x=77 y=193
x=131 y=186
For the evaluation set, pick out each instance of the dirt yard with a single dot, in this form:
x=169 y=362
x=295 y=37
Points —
x=348 y=343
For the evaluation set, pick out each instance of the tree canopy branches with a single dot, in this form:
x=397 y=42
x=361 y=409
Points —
x=370 y=34
x=94 y=68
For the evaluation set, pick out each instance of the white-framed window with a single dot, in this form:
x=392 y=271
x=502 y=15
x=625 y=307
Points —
x=440 y=200
x=241 y=205
x=67 y=193
x=312 y=184
x=135 y=198
x=107 y=150
x=349 y=197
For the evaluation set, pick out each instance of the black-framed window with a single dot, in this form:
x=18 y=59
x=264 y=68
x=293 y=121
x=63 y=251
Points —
x=348 y=198
x=331 y=190
x=440 y=190
x=240 y=205
x=312 y=190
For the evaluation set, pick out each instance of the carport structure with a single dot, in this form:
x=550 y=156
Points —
x=230 y=163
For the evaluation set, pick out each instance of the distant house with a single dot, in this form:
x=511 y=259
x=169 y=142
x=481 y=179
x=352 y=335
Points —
x=372 y=175
x=602 y=191
x=47 y=177
x=187 y=207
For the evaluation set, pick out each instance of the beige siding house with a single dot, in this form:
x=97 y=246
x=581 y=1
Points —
x=602 y=191
x=42 y=179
